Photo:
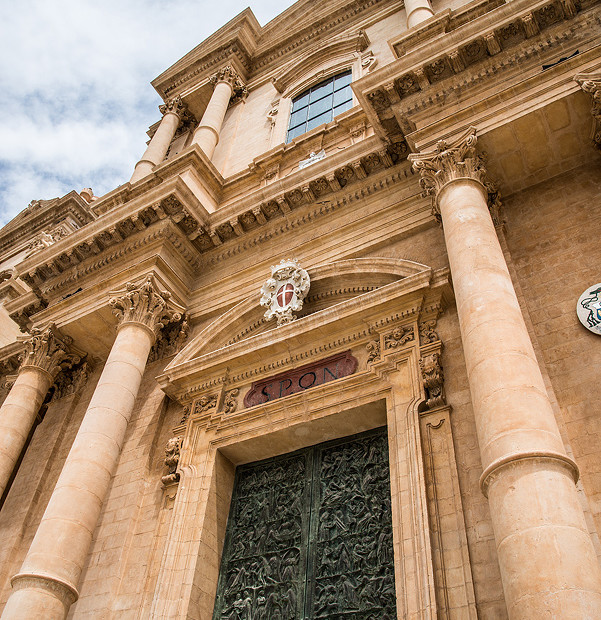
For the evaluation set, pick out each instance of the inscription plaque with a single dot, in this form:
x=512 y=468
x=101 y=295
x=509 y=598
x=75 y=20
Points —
x=300 y=379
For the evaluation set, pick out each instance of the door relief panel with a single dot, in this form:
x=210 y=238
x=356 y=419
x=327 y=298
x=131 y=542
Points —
x=310 y=536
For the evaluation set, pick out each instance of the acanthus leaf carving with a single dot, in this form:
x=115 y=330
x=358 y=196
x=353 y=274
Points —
x=373 y=350
x=145 y=304
x=230 y=402
x=451 y=161
x=48 y=350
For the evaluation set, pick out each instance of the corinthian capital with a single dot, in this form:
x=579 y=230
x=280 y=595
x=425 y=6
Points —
x=145 y=304
x=450 y=161
x=174 y=106
x=49 y=350
x=591 y=84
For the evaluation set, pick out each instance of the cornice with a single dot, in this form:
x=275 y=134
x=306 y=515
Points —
x=41 y=214
x=457 y=64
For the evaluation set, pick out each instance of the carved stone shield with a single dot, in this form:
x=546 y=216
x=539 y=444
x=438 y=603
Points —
x=284 y=293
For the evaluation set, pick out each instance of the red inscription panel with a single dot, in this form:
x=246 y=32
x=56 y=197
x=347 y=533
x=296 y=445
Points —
x=301 y=379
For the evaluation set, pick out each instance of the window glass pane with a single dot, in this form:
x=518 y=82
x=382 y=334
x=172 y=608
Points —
x=300 y=102
x=319 y=104
x=318 y=120
x=342 y=96
x=296 y=131
x=298 y=117
x=321 y=90
x=343 y=108
x=342 y=80
x=319 y=107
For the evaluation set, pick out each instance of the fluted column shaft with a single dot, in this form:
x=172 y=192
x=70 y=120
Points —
x=548 y=564
x=44 y=354
x=46 y=585
x=417 y=11
x=159 y=144
x=207 y=132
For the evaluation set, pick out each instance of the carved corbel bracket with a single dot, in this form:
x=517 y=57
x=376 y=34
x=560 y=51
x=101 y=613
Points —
x=591 y=84
x=432 y=372
x=172 y=454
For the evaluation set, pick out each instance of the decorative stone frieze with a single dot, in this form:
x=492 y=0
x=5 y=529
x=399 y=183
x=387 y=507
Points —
x=172 y=454
x=147 y=305
x=399 y=337
x=433 y=379
x=591 y=84
x=49 y=350
x=201 y=405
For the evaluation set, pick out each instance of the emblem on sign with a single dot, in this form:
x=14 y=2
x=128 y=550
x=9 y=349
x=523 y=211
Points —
x=589 y=308
x=284 y=293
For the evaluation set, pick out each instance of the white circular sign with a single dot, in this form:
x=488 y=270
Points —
x=589 y=308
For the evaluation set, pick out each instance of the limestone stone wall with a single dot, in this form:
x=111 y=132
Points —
x=555 y=251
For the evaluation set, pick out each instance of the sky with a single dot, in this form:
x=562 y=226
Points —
x=75 y=86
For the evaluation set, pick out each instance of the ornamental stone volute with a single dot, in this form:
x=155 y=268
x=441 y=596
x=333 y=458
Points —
x=146 y=305
x=49 y=350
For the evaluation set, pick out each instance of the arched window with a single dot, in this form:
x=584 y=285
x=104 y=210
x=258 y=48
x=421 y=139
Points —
x=319 y=104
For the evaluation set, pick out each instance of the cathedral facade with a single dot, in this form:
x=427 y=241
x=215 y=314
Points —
x=332 y=351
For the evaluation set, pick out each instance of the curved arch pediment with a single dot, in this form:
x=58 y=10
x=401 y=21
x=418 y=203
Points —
x=331 y=283
x=306 y=64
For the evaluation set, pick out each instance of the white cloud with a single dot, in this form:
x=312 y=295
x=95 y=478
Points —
x=75 y=78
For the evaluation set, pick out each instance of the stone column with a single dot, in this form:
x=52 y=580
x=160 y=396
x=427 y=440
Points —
x=46 y=585
x=417 y=11
x=206 y=135
x=547 y=560
x=157 y=149
x=46 y=354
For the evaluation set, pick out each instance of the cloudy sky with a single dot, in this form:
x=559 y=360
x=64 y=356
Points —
x=75 y=82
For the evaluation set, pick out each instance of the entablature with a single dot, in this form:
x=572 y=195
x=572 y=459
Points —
x=447 y=69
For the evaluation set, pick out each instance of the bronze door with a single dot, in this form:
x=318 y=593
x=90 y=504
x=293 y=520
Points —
x=309 y=536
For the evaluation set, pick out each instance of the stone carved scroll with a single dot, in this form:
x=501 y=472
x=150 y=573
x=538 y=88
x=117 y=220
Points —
x=170 y=340
x=201 y=405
